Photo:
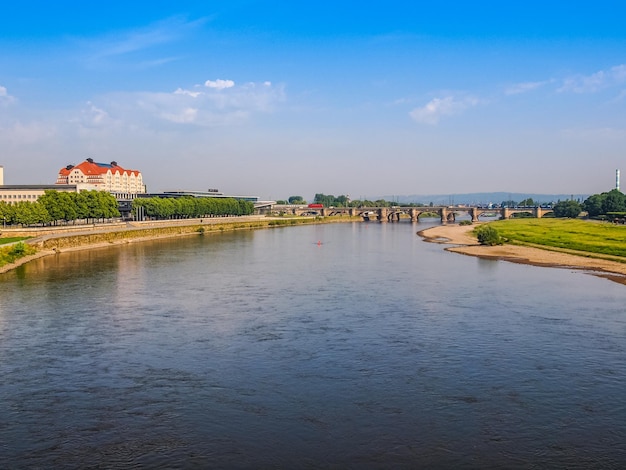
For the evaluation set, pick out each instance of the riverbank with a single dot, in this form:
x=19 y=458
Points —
x=466 y=243
x=54 y=242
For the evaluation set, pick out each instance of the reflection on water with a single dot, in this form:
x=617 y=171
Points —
x=268 y=349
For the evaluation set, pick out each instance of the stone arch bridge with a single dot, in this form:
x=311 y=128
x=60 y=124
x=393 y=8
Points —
x=447 y=214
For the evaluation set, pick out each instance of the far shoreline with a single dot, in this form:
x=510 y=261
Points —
x=466 y=243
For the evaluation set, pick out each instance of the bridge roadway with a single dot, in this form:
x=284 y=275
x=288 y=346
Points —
x=447 y=214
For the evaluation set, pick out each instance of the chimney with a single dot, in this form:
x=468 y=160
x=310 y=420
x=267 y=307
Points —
x=617 y=179
x=1 y=175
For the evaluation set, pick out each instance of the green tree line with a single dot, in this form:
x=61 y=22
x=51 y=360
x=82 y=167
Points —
x=190 y=207
x=597 y=205
x=328 y=200
x=60 y=206
x=602 y=204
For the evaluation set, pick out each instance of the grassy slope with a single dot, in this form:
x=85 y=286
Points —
x=566 y=235
x=6 y=240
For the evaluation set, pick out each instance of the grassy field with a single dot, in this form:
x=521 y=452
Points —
x=566 y=235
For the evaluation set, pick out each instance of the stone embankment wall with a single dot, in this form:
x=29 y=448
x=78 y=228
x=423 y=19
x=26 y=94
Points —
x=60 y=242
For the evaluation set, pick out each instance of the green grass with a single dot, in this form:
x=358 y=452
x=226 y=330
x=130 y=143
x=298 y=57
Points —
x=4 y=241
x=565 y=235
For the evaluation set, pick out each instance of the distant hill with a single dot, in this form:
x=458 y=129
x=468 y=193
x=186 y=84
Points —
x=480 y=198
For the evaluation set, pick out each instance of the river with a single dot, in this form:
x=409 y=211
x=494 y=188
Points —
x=353 y=345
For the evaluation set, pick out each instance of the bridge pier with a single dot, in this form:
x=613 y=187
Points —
x=446 y=216
x=414 y=215
x=382 y=214
x=443 y=215
x=474 y=214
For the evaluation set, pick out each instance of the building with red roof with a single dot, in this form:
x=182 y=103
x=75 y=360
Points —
x=103 y=176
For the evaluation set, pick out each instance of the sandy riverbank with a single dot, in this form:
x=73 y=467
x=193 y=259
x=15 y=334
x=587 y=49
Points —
x=465 y=243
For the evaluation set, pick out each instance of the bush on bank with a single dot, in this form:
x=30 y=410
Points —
x=487 y=235
x=9 y=254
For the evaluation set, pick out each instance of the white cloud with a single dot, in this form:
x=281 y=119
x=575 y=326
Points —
x=183 y=116
x=19 y=133
x=596 y=81
x=193 y=94
x=219 y=84
x=125 y=43
x=5 y=98
x=93 y=116
x=222 y=104
x=437 y=108
x=525 y=87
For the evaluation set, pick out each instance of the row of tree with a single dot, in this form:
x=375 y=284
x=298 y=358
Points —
x=57 y=206
x=190 y=207
x=328 y=200
x=597 y=205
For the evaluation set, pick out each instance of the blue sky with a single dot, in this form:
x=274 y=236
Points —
x=294 y=98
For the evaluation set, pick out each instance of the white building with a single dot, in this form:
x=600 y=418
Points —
x=103 y=176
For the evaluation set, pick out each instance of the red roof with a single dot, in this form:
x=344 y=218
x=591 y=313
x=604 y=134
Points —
x=93 y=168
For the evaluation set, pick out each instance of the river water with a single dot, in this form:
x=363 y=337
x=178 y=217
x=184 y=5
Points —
x=352 y=345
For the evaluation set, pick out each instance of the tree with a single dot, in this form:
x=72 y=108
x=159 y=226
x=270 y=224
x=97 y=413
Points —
x=7 y=213
x=68 y=206
x=326 y=200
x=342 y=201
x=614 y=201
x=40 y=214
x=593 y=205
x=108 y=205
x=527 y=202
x=50 y=200
x=296 y=200
x=487 y=235
x=82 y=206
x=569 y=209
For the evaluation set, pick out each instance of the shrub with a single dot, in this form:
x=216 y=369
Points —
x=18 y=250
x=465 y=222
x=487 y=235
x=10 y=253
